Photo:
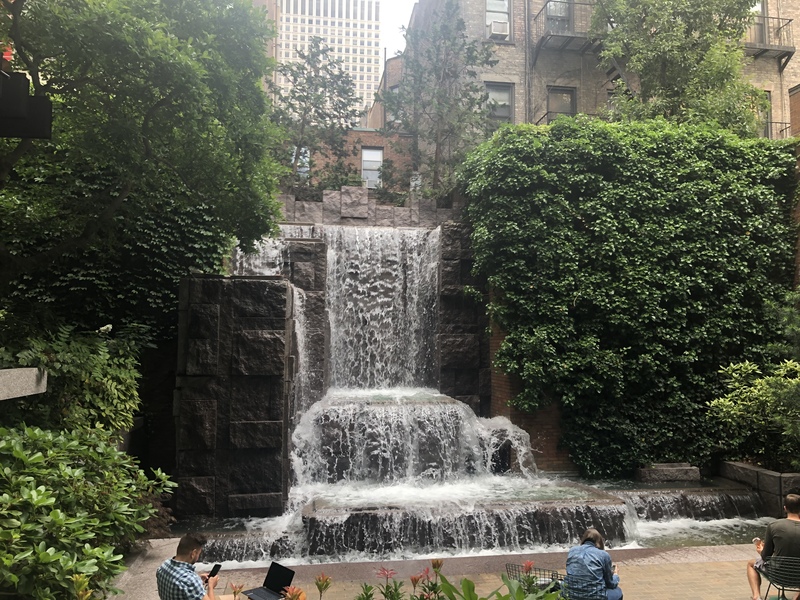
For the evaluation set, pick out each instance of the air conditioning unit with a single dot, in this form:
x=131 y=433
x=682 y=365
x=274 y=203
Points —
x=498 y=30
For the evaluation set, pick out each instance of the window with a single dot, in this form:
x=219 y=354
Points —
x=560 y=101
x=498 y=22
x=757 y=30
x=371 y=163
x=559 y=16
x=500 y=101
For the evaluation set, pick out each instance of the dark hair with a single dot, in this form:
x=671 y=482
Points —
x=593 y=536
x=792 y=503
x=191 y=542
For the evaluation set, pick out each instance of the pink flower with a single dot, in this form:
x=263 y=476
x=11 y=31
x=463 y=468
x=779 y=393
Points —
x=415 y=579
x=426 y=574
x=527 y=566
x=437 y=563
x=386 y=574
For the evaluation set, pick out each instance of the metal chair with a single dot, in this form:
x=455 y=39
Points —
x=577 y=588
x=783 y=573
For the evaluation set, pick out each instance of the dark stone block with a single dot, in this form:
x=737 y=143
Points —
x=203 y=321
x=451 y=241
x=790 y=483
x=486 y=351
x=206 y=289
x=194 y=389
x=256 y=472
x=195 y=463
x=466 y=382
x=773 y=504
x=197 y=426
x=769 y=482
x=259 y=324
x=314 y=357
x=447 y=382
x=195 y=496
x=474 y=402
x=321 y=267
x=316 y=316
x=459 y=351
x=301 y=252
x=260 y=298
x=256 y=434
x=303 y=275
x=257 y=505
x=485 y=382
x=201 y=357
x=741 y=472
x=450 y=272
x=458 y=310
x=257 y=399
x=259 y=353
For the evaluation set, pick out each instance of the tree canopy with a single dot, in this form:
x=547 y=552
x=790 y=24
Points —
x=316 y=109
x=161 y=148
x=680 y=59
x=440 y=102
x=628 y=263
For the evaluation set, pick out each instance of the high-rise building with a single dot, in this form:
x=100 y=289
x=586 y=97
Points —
x=350 y=28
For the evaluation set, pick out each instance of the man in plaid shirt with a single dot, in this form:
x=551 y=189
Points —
x=176 y=576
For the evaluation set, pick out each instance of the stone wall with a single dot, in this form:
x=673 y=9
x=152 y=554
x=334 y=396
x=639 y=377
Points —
x=771 y=486
x=462 y=344
x=231 y=396
x=354 y=206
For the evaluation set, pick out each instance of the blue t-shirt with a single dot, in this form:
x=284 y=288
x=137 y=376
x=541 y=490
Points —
x=177 y=581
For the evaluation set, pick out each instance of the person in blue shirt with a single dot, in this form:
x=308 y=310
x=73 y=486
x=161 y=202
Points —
x=176 y=577
x=590 y=574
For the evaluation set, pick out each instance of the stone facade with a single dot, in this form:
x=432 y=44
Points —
x=771 y=486
x=231 y=396
x=463 y=346
x=355 y=206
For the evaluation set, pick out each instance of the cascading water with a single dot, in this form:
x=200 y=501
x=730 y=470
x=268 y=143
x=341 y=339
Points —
x=384 y=464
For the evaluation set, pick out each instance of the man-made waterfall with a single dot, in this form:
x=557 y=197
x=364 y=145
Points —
x=385 y=465
x=382 y=306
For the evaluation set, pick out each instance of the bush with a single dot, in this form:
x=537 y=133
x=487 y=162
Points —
x=626 y=263
x=69 y=503
x=761 y=414
x=92 y=378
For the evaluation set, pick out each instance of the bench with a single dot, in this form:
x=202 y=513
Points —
x=571 y=588
x=783 y=573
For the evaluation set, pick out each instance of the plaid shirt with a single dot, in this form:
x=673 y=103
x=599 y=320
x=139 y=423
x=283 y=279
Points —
x=178 y=581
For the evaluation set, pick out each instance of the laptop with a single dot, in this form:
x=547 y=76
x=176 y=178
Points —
x=278 y=577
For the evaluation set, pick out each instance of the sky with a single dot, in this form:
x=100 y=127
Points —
x=394 y=15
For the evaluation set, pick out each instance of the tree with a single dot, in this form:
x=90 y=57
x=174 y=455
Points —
x=150 y=99
x=317 y=109
x=440 y=102
x=680 y=59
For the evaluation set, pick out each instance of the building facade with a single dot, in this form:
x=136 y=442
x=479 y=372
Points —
x=350 y=28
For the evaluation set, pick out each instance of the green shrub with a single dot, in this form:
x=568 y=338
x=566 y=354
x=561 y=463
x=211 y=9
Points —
x=69 y=502
x=92 y=378
x=626 y=263
x=760 y=414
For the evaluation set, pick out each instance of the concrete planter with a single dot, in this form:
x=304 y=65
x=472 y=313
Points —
x=770 y=485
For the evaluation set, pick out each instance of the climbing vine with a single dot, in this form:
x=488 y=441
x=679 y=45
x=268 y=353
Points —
x=627 y=264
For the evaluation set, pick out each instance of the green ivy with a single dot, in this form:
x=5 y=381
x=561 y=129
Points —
x=626 y=264
x=69 y=502
x=92 y=377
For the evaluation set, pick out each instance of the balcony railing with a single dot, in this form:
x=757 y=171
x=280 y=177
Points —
x=770 y=37
x=776 y=130
x=563 y=25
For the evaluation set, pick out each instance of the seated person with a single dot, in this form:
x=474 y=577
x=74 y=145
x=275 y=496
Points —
x=590 y=570
x=781 y=539
x=177 y=579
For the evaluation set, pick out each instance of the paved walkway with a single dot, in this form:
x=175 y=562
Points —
x=704 y=573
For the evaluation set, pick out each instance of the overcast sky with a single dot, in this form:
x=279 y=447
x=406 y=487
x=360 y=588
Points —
x=394 y=15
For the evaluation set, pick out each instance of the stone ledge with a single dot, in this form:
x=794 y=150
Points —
x=770 y=485
x=661 y=472
x=16 y=383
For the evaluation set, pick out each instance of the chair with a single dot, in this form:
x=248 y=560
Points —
x=578 y=588
x=544 y=577
x=783 y=573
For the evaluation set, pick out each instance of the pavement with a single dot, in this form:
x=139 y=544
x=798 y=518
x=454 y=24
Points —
x=701 y=572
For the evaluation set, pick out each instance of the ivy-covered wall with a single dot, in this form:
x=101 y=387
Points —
x=628 y=263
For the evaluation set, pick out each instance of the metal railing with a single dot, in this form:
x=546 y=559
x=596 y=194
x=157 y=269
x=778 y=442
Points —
x=563 y=18
x=776 y=130
x=769 y=31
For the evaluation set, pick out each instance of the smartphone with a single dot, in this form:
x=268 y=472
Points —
x=215 y=570
x=756 y=540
